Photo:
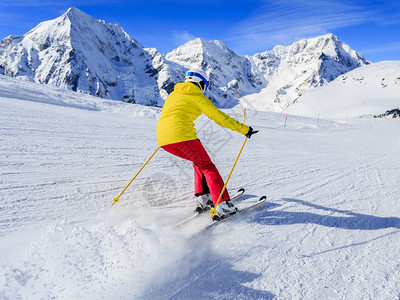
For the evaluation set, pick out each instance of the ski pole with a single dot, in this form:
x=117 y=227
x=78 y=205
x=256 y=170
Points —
x=213 y=211
x=117 y=199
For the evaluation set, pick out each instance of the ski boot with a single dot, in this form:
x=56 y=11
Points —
x=224 y=209
x=203 y=203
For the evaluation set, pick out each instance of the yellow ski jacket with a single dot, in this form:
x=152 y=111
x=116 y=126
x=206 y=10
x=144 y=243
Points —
x=184 y=105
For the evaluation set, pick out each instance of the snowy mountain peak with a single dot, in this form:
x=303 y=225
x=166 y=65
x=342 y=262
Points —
x=74 y=12
x=61 y=26
x=292 y=70
x=231 y=74
x=201 y=46
x=83 y=54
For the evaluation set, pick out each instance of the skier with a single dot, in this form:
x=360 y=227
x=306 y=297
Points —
x=177 y=135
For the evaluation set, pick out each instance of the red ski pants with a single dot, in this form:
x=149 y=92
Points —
x=206 y=176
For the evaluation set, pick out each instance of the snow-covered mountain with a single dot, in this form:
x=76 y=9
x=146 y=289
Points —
x=231 y=75
x=292 y=70
x=98 y=58
x=368 y=90
x=82 y=54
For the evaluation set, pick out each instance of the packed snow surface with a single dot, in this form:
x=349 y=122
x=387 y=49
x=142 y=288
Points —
x=330 y=228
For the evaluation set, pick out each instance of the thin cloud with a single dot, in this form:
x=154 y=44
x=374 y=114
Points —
x=182 y=37
x=286 y=21
x=383 y=48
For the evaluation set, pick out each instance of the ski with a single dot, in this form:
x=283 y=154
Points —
x=240 y=211
x=235 y=197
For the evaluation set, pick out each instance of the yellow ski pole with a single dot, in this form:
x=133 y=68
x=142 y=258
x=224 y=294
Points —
x=117 y=199
x=213 y=211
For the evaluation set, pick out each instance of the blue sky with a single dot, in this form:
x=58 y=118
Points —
x=247 y=27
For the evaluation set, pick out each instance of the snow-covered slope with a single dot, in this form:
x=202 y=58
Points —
x=369 y=90
x=330 y=229
x=98 y=58
x=31 y=91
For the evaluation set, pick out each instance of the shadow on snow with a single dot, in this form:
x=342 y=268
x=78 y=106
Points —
x=211 y=278
x=347 y=220
x=220 y=281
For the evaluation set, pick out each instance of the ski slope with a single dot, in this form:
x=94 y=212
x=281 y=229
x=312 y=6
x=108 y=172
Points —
x=330 y=228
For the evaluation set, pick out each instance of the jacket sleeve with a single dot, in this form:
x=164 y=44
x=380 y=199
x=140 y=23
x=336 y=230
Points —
x=219 y=117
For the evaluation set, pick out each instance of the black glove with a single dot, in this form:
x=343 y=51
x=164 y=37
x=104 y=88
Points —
x=251 y=132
